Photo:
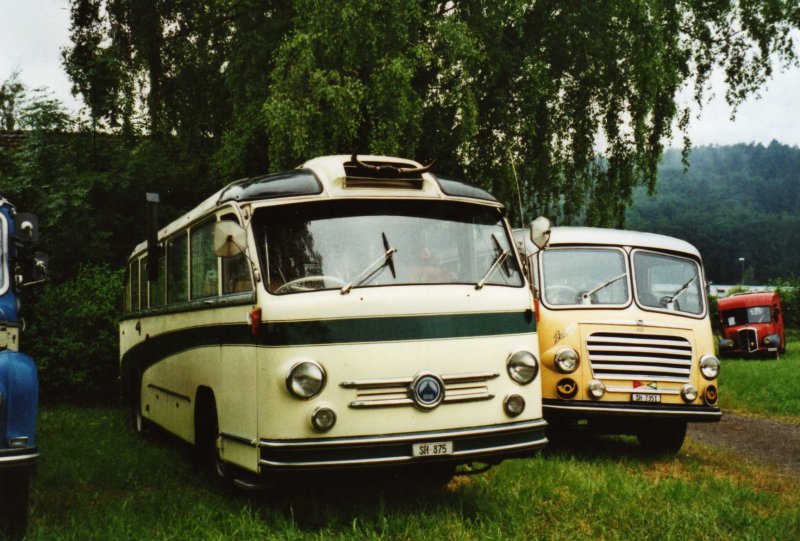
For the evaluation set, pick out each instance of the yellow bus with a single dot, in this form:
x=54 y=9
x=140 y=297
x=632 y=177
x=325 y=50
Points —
x=624 y=332
x=355 y=311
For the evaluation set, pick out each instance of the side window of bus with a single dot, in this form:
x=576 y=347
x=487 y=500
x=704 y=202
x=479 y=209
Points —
x=204 y=262
x=128 y=287
x=235 y=270
x=157 y=287
x=178 y=269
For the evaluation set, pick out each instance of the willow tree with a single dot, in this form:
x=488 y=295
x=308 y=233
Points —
x=579 y=98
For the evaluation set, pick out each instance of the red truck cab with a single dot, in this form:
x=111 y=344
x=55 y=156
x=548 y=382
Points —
x=752 y=323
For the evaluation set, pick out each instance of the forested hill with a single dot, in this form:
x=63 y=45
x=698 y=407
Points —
x=734 y=201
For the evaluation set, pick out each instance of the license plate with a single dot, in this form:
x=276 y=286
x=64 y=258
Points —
x=645 y=397
x=434 y=448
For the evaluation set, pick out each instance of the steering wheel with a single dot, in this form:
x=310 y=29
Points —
x=560 y=294
x=296 y=285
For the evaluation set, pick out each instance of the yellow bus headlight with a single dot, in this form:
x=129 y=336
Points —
x=306 y=380
x=709 y=366
x=567 y=360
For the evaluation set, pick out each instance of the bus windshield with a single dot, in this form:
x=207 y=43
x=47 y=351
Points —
x=585 y=276
x=746 y=315
x=668 y=282
x=348 y=244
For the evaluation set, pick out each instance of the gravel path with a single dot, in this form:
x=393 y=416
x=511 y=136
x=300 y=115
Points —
x=758 y=439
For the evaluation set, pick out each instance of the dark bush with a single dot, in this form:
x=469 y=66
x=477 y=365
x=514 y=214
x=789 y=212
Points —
x=72 y=335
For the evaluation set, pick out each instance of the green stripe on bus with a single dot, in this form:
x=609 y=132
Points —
x=325 y=332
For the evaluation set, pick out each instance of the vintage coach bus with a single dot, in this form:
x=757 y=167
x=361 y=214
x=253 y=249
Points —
x=19 y=386
x=624 y=332
x=351 y=312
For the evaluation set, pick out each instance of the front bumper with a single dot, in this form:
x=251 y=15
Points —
x=26 y=457
x=489 y=444
x=580 y=410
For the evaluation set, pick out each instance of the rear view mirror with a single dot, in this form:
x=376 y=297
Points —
x=33 y=269
x=540 y=232
x=230 y=238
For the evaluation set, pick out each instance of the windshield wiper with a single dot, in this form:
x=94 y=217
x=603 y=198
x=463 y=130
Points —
x=586 y=297
x=373 y=267
x=666 y=302
x=498 y=261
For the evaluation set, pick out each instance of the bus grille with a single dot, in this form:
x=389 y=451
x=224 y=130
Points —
x=652 y=357
x=748 y=340
x=392 y=392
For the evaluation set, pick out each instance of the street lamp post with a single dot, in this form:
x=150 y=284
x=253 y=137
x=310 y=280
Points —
x=741 y=260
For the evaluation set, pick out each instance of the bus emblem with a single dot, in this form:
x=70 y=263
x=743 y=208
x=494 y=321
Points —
x=427 y=391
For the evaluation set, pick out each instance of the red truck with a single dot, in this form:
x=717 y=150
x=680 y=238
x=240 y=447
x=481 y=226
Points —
x=752 y=323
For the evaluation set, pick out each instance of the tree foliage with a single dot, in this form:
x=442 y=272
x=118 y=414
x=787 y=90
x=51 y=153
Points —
x=734 y=201
x=246 y=85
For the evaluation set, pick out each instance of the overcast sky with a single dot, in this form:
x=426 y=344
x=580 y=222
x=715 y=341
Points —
x=32 y=33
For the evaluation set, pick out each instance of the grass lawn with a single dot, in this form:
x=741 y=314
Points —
x=763 y=387
x=98 y=480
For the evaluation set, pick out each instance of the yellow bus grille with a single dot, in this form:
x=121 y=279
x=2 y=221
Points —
x=652 y=357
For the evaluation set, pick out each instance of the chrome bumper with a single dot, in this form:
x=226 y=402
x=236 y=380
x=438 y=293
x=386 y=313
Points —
x=19 y=458
x=492 y=443
x=587 y=410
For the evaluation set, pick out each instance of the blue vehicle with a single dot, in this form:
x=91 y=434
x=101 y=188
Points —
x=19 y=387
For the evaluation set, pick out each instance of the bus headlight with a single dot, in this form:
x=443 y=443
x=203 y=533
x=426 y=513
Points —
x=522 y=367
x=306 y=380
x=689 y=393
x=323 y=419
x=597 y=389
x=709 y=366
x=567 y=360
x=514 y=404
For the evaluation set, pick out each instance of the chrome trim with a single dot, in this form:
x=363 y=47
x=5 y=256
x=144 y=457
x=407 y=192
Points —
x=412 y=437
x=632 y=410
x=398 y=392
x=640 y=390
x=405 y=458
x=18 y=458
x=252 y=442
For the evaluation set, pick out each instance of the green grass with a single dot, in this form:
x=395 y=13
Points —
x=763 y=387
x=98 y=480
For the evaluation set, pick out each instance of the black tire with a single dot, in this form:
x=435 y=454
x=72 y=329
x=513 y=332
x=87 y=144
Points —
x=14 y=495
x=662 y=437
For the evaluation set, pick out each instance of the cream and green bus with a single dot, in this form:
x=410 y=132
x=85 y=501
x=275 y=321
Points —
x=355 y=311
x=624 y=333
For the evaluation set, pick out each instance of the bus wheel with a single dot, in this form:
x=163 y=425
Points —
x=664 y=437
x=14 y=489
x=206 y=432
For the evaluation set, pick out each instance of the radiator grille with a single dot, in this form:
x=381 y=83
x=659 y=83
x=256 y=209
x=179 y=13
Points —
x=748 y=340
x=652 y=357
x=390 y=392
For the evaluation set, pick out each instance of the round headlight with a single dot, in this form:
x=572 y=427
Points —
x=306 y=379
x=689 y=393
x=323 y=418
x=597 y=389
x=566 y=360
x=522 y=367
x=709 y=366
x=514 y=404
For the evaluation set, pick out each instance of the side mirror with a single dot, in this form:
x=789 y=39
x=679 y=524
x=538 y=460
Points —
x=33 y=269
x=540 y=232
x=230 y=238
x=27 y=227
